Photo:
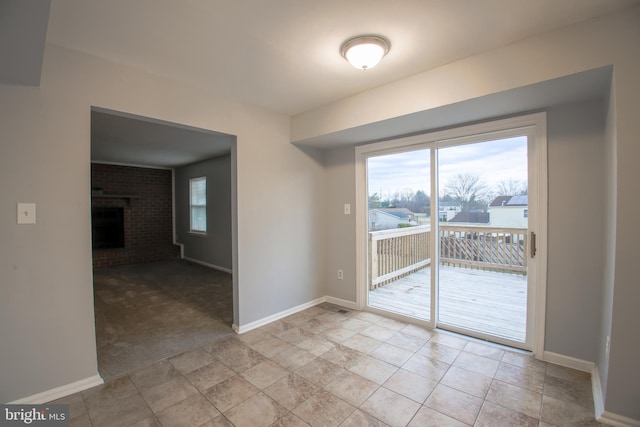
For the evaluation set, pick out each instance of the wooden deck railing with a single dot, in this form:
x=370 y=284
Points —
x=400 y=252
x=397 y=253
x=496 y=249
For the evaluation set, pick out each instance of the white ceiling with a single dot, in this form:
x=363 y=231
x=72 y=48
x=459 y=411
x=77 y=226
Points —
x=592 y=85
x=23 y=31
x=284 y=54
x=125 y=139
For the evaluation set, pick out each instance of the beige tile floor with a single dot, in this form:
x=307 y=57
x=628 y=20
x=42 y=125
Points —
x=330 y=367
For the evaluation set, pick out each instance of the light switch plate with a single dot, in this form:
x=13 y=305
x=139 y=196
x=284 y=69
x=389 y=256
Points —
x=26 y=213
x=347 y=209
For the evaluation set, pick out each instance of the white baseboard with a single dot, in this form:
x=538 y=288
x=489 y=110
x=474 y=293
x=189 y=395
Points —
x=596 y=389
x=62 y=391
x=568 y=362
x=241 y=329
x=341 y=302
x=603 y=416
x=206 y=264
x=616 y=420
x=264 y=321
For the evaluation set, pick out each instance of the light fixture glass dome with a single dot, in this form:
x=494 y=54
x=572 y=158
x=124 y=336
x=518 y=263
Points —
x=364 y=52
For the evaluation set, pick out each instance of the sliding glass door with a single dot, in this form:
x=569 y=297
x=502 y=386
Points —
x=448 y=237
x=482 y=274
x=399 y=232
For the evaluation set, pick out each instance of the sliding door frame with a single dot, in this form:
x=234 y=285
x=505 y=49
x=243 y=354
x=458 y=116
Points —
x=535 y=128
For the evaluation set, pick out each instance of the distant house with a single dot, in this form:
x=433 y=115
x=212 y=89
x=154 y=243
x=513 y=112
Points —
x=448 y=210
x=472 y=217
x=509 y=211
x=386 y=218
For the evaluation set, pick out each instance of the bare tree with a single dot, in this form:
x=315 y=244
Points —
x=469 y=190
x=420 y=202
x=512 y=187
x=374 y=201
x=401 y=199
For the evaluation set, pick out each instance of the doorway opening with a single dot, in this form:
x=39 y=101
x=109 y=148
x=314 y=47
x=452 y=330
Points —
x=159 y=289
x=452 y=228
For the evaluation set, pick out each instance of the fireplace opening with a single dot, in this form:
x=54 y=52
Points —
x=107 y=228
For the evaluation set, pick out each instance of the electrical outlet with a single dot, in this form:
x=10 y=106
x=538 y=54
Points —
x=340 y=274
x=26 y=213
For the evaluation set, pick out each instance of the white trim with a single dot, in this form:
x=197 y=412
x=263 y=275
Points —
x=483 y=337
x=234 y=231
x=362 y=227
x=192 y=181
x=434 y=247
x=241 y=329
x=596 y=389
x=62 y=391
x=173 y=209
x=342 y=303
x=616 y=420
x=197 y=233
x=480 y=132
x=206 y=264
x=596 y=386
x=541 y=178
x=535 y=128
x=601 y=415
x=132 y=165
x=568 y=361
x=401 y=317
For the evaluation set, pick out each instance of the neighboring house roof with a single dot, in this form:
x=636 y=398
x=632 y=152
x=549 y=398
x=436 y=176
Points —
x=519 y=201
x=522 y=200
x=449 y=204
x=500 y=201
x=402 y=213
x=476 y=217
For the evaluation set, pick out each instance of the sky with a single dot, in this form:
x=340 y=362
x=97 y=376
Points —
x=493 y=161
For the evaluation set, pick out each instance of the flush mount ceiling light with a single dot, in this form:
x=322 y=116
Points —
x=364 y=52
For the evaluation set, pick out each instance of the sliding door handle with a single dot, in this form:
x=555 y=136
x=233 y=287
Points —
x=532 y=241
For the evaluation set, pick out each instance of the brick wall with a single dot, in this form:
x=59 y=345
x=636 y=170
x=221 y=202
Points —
x=148 y=224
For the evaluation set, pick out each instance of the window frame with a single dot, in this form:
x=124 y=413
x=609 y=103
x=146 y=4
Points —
x=192 y=205
x=535 y=125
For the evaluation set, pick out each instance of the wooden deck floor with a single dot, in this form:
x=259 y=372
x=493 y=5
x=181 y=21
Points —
x=484 y=301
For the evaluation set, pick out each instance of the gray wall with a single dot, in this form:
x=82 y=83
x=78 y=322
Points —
x=601 y=42
x=623 y=378
x=609 y=241
x=46 y=301
x=341 y=230
x=575 y=229
x=214 y=248
x=575 y=221
x=284 y=255
x=23 y=30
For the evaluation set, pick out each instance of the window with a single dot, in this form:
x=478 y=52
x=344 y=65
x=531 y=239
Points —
x=526 y=213
x=198 y=204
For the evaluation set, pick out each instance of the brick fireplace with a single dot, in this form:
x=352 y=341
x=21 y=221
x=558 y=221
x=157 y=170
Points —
x=142 y=197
